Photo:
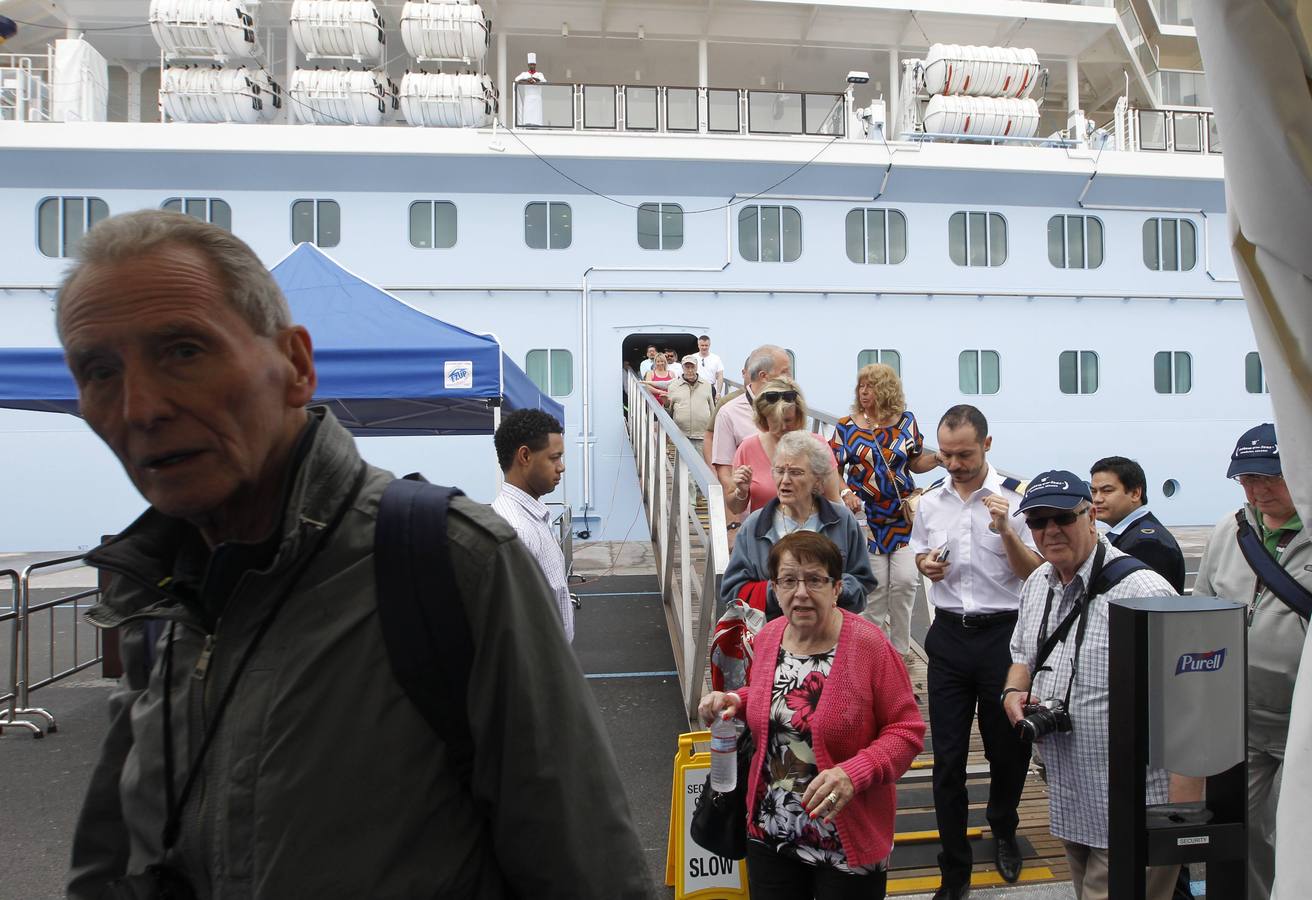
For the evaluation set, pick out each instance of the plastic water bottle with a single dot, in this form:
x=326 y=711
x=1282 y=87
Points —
x=724 y=755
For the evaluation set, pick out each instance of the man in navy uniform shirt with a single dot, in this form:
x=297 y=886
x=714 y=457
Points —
x=1120 y=499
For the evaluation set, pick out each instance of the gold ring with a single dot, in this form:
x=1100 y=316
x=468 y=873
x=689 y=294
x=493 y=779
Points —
x=832 y=799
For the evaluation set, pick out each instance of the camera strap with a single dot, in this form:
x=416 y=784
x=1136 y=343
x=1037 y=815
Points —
x=173 y=824
x=1049 y=642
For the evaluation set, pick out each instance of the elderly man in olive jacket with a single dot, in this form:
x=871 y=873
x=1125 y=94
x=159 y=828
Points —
x=259 y=744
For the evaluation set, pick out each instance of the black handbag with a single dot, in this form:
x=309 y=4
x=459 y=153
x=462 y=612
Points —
x=719 y=822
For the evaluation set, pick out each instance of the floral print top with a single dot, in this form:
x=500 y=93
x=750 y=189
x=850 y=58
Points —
x=790 y=766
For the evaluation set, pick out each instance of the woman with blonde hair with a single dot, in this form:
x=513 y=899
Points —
x=780 y=408
x=878 y=447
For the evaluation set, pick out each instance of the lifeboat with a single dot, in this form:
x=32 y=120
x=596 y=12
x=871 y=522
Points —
x=210 y=94
x=340 y=97
x=980 y=71
x=339 y=29
x=448 y=101
x=982 y=116
x=204 y=29
x=454 y=31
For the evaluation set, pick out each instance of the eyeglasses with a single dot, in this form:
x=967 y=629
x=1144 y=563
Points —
x=776 y=396
x=789 y=583
x=781 y=471
x=1038 y=523
x=1256 y=480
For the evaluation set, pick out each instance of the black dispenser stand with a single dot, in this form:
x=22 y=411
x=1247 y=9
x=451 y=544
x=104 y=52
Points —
x=1132 y=844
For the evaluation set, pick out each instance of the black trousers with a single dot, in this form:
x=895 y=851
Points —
x=774 y=877
x=967 y=671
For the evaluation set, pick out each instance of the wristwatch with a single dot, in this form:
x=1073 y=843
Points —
x=1011 y=690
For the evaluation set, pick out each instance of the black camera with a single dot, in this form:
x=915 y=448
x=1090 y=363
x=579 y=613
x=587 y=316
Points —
x=158 y=882
x=1043 y=718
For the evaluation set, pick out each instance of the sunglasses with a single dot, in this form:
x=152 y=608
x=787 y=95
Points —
x=1038 y=523
x=776 y=396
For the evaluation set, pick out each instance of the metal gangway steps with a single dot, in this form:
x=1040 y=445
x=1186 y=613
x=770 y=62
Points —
x=685 y=511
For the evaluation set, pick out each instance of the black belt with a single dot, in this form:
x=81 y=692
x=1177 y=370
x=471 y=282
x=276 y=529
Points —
x=977 y=620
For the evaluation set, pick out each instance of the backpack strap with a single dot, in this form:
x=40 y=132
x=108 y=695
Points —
x=429 y=644
x=1114 y=572
x=1268 y=570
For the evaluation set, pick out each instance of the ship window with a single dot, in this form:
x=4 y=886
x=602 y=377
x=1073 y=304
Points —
x=660 y=226
x=1075 y=242
x=433 y=224
x=1254 y=380
x=792 y=364
x=1173 y=372
x=876 y=236
x=317 y=222
x=890 y=358
x=769 y=233
x=1170 y=245
x=62 y=221
x=551 y=370
x=978 y=371
x=207 y=209
x=1077 y=371
x=548 y=225
x=977 y=239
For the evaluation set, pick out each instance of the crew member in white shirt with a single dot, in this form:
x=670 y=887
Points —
x=710 y=368
x=530 y=448
x=528 y=93
x=966 y=546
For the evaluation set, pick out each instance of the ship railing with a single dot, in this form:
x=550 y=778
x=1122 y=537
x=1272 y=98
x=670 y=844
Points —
x=680 y=110
x=685 y=513
x=24 y=88
x=1174 y=131
x=67 y=650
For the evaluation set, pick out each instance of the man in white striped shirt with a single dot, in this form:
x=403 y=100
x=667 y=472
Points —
x=530 y=448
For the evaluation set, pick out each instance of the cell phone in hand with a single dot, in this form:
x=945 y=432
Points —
x=943 y=553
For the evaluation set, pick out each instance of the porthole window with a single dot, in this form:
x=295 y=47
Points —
x=1077 y=371
x=890 y=358
x=207 y=209
x=977 y=239
x=62 y=221
x=1254 y=378
x=769 y=233
x=1170 y=487
x=876 y=236
x=317 y=222
x=551 y=370
x=660 y=226
x=978 y=371
x=1173 y=372
x=1075 y=242
x=1170 y=245
x=548 y=225
x=432 y=224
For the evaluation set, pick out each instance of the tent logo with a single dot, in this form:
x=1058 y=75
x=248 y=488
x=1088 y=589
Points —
x=459 y=374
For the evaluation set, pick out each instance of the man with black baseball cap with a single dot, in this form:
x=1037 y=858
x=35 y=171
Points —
x=1059 y=654
x=1262 y=555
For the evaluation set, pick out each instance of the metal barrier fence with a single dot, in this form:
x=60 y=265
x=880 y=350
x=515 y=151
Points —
x=690 y=555
x=64 y=647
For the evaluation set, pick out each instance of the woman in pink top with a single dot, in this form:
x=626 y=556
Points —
x=780 y=408
x=835 y=725
x=659 y=378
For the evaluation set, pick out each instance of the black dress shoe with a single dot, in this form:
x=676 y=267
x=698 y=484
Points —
x=1006 y=856
x=953 y=893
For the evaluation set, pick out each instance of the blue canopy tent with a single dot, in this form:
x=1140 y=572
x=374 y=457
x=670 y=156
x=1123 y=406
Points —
x=384 y=368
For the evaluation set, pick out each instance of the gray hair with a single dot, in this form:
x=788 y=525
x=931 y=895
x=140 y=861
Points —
x=761 y=361
x=800 y=444
x=249 y=286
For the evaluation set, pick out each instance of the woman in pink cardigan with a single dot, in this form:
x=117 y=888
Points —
x=835 y=724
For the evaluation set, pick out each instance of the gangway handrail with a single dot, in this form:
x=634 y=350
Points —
x=674 y=525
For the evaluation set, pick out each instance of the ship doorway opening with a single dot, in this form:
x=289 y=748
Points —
x=633 y=351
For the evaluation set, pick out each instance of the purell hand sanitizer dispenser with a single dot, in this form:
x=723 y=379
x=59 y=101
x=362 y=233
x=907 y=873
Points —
x=1178 y=682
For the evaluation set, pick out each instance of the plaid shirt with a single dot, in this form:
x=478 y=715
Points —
x=531 y=520
x=1077 y=761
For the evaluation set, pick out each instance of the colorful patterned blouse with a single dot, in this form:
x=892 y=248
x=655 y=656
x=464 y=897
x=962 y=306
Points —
x=875 y=463
x=790 y=766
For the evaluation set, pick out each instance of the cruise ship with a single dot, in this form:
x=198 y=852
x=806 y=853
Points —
x=1017 y=204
